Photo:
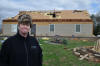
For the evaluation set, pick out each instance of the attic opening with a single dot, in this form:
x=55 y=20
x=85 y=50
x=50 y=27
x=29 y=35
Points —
x=52 y=14
x=77 y=11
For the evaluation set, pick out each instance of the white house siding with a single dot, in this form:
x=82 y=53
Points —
x=42 y=30
x=65 y=30
x=7 y=29
x=86 y=30
x=60 y=29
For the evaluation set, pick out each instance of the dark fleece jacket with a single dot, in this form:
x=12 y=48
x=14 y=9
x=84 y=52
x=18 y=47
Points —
x=20 y=51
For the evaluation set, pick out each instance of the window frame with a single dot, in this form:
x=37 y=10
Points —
x=78 y=29
x=50 y=28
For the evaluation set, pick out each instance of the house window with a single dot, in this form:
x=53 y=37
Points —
x=77 y=28
x=13 y=27
x=51 y=27
x=33 y=29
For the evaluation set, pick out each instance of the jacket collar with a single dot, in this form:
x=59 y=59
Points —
x=21 y=37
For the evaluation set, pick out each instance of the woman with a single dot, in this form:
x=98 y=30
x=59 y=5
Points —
x=21 y=49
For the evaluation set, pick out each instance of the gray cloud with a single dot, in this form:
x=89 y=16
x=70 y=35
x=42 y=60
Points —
x=9 y=8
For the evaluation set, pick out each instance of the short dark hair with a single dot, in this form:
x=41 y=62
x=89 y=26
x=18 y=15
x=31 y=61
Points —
x=25 y=19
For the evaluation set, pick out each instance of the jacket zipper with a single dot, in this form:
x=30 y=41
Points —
x=26 y=49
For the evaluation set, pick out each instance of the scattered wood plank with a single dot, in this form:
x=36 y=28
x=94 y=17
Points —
x=83 y=57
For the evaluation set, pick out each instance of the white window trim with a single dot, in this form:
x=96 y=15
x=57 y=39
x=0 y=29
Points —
x=13 y=28
x=75 y=28
x=49 y=27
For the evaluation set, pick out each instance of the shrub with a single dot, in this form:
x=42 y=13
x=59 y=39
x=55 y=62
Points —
x=97 y=30
x=65 y=41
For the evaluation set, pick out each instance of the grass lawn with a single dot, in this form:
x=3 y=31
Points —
x=62 y=55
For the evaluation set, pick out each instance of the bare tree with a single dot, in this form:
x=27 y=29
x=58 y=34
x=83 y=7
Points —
x=96 y=20
x=97 y=16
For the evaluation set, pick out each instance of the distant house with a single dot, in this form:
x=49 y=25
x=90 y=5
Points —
x=51 y=23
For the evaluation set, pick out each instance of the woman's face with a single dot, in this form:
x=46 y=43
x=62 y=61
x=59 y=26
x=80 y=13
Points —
x=24 y=29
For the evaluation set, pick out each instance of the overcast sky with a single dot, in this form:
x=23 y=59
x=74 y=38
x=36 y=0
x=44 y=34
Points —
x=10 y=8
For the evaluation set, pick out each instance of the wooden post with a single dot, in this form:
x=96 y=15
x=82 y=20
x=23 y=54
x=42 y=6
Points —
x=97 y=46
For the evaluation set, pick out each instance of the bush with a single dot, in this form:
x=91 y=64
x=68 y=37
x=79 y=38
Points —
x=97 y=30
x=65 y=41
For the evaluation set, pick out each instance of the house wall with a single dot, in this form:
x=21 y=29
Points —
x=7 y=29
x=61 y=28
x=64 y=30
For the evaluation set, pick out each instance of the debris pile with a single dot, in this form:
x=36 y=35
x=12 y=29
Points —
x=90 y=53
